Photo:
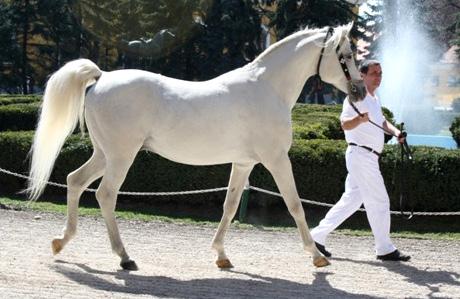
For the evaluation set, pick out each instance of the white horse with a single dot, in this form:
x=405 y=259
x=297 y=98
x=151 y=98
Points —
x=242 y=117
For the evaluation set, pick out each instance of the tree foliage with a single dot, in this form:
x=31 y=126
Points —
x=293 y=15
x=9 y=51
x=189 y=39
x=206 y=37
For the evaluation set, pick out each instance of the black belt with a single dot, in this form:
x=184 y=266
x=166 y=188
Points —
x=366 y=147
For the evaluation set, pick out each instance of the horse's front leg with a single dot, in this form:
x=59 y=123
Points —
x=281 y=170
x=238 y=177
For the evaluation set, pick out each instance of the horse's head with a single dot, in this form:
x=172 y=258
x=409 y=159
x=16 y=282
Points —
x=338 y=65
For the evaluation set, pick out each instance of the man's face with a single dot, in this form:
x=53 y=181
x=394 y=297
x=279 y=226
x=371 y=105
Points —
x=373 y=77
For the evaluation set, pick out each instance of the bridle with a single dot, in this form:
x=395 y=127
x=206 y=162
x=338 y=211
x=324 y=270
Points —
x=342 y=60
x=406 y=153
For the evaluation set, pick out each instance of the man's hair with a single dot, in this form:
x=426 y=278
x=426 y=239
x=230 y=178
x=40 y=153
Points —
x=366 y=63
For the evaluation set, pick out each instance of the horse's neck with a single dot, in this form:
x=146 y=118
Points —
x=288 y=68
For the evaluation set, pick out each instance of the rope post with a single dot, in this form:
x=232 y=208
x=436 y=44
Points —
x=244 y=201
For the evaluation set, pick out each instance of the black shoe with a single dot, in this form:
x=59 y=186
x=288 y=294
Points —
x=394 y=256
x=323 y=250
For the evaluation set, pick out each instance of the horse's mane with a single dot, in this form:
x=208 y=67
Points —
x=339 y=33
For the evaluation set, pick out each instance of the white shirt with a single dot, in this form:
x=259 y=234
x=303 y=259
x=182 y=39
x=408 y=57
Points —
x=366 y=133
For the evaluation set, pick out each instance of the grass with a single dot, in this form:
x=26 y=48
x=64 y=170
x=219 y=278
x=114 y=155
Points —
x=269 y=218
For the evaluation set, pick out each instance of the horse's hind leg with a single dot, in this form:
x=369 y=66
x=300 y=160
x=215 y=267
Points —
x=77 y=182
x=115 y=173
x=281 y=171
x=238 y=177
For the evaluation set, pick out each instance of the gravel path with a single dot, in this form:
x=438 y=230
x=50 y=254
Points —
x=176 y=262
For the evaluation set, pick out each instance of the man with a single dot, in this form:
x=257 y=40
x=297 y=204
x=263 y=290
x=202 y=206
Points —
x=364 y=183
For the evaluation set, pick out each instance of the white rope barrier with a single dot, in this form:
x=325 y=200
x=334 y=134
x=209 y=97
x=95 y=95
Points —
x=361 y=210
x=123 y=192
x=223 y=189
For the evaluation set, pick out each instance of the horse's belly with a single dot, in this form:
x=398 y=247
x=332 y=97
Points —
x=200 y=153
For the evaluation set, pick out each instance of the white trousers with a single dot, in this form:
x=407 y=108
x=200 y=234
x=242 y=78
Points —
x=364 y=185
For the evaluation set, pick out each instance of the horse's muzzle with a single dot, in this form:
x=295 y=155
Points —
x=356 y=90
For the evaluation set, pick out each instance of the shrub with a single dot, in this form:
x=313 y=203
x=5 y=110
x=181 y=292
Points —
x=148 y=173
x=311 y=121
x=8 y=99
x=19 y=117
x=455 y=130
x=318 y=126
x=318 y=165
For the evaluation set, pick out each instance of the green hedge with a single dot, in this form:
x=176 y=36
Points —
x=19 y=117
x=148 y=173
x=310 y=121
x=319 y=169
x=8 y=99
x=455 y=130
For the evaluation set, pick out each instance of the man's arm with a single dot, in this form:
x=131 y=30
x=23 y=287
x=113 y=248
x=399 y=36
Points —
x=352 y=122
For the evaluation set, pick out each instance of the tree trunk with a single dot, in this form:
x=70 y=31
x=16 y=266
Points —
x=25 y=36
x=79 y=39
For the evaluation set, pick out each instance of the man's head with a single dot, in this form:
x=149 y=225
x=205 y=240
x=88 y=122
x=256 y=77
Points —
x=371 y=72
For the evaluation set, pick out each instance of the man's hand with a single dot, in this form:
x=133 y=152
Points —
x=363 y=117
x=401 y=137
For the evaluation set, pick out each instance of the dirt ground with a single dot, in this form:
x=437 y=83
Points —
x=176 y=261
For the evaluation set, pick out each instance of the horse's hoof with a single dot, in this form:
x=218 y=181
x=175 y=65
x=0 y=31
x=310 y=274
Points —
x=321 y=262
x=56 y=246
x=224 y=264
x=129 y=265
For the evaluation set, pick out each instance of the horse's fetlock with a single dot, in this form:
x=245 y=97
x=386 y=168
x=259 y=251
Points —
x=70 y=232
x=217 y=245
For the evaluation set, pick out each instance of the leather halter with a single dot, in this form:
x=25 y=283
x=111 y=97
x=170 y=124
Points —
x=342 y=60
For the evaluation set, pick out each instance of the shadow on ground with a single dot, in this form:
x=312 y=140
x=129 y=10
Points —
x=430 y=279
x=254 y=286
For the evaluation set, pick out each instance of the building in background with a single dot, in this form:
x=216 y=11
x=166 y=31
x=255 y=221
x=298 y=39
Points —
x=443 y=85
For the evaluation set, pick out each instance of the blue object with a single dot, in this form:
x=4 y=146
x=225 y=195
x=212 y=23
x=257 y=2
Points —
x=432 y=140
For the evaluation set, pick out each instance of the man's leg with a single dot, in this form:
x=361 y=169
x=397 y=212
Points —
x=344 y=208
x=376 y=201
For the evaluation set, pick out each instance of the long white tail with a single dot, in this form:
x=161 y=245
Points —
x=62 y=108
